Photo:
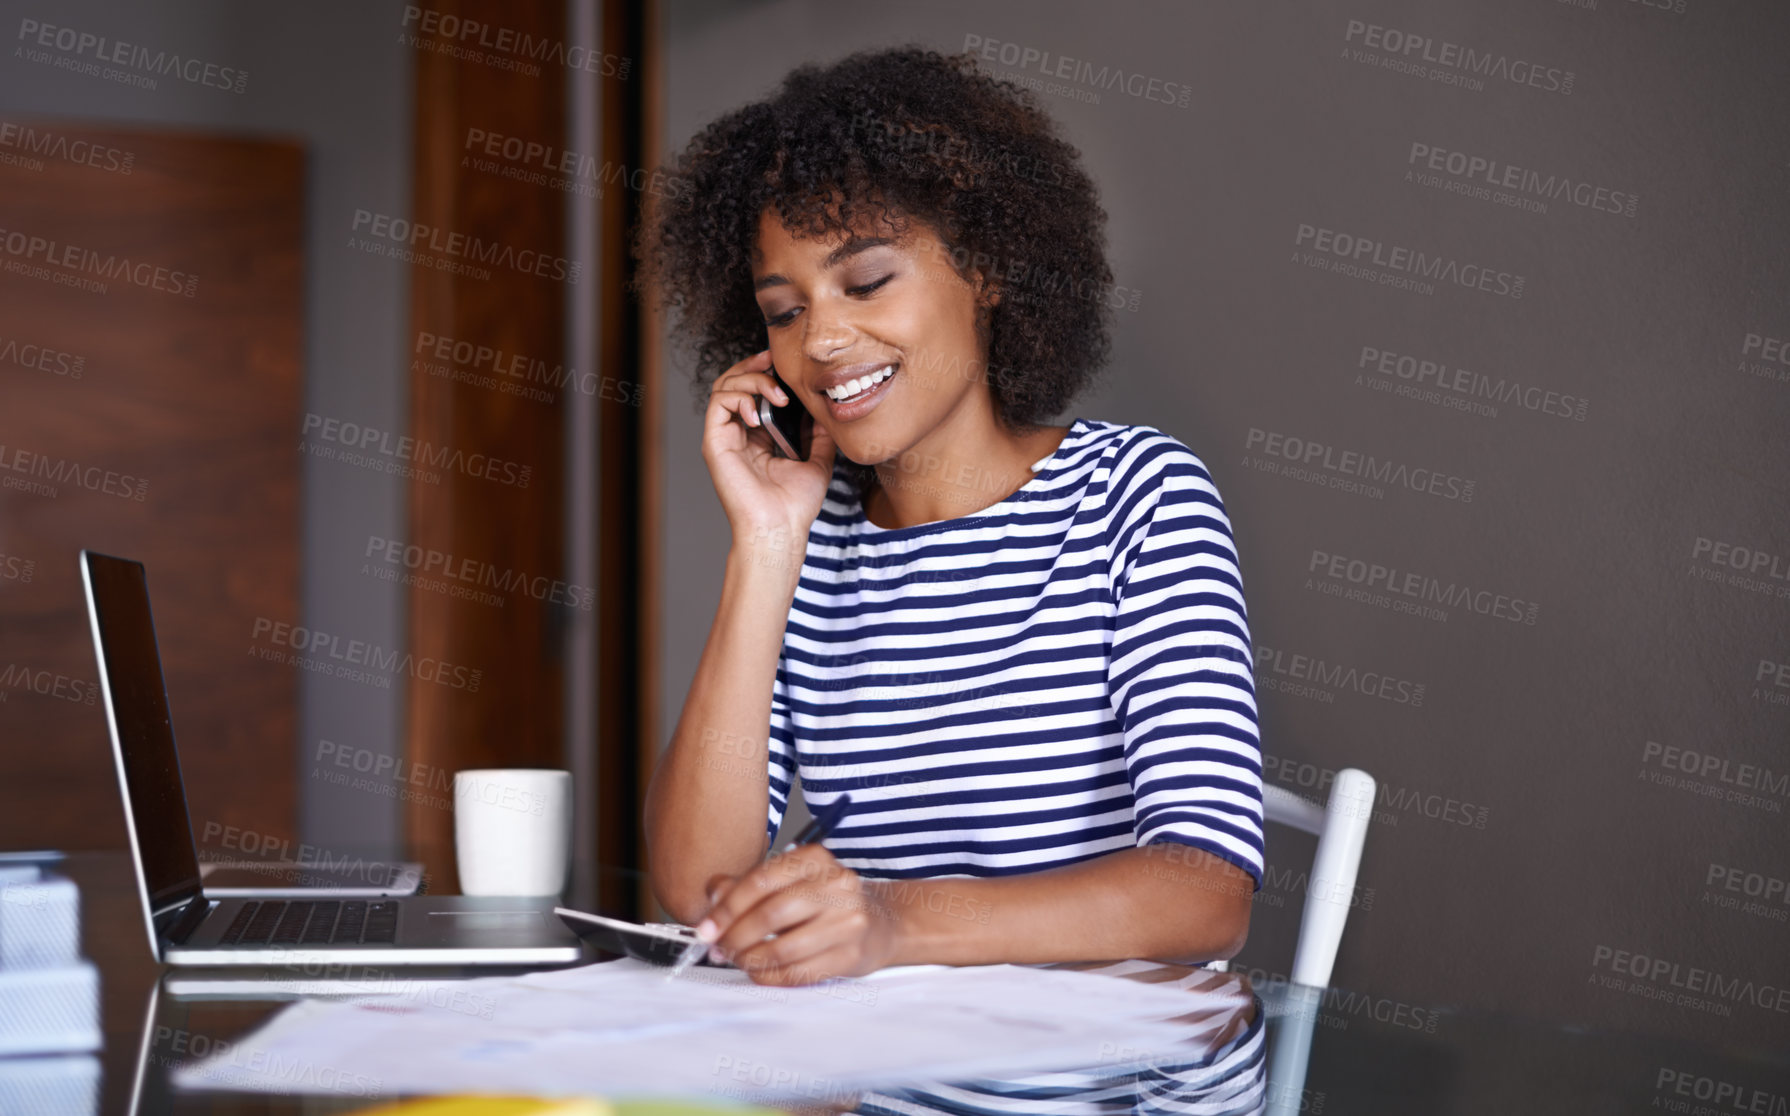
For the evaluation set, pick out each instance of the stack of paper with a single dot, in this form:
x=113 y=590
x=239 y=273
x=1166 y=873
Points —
x=49 y=996
x=619 y=1029
x=540 y=1106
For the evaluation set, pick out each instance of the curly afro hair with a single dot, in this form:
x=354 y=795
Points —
x=885 y=136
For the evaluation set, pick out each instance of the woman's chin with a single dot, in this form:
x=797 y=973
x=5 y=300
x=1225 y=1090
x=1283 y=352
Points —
x=861 y=448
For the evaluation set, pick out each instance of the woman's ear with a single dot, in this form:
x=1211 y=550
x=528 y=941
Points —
x=988 y=296
x=988 y=292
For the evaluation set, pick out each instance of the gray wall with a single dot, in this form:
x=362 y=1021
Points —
x=330 y=75
x=1536 y=829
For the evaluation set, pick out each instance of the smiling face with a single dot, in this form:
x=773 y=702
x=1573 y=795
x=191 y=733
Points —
x=881 y=315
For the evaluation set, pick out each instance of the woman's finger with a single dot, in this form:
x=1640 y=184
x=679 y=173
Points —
x=807 y=863
x=753 y=385
x=730 y=403
x=777 y=912
x=754 y=369
x=839 y=961
x=830 y=927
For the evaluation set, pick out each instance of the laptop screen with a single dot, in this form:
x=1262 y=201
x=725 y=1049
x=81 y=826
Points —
x=142 y=733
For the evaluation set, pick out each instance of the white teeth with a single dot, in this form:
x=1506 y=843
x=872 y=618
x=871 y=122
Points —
x=851 y=388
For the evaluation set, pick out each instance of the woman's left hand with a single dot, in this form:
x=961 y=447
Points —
x=828 y=920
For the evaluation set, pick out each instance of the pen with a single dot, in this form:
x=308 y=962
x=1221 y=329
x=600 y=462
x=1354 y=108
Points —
x=818 y=827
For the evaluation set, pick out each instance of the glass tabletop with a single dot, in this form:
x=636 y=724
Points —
x=1248 y=1048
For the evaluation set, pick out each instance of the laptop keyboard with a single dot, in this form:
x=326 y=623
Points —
x=312 y=922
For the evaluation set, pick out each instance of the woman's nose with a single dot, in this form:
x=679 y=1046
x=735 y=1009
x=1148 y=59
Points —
x=826 y=335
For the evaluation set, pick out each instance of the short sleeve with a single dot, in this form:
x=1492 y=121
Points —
x=1181 y=676
x=781 y=748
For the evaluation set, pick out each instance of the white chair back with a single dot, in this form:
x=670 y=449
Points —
x=1341 y=828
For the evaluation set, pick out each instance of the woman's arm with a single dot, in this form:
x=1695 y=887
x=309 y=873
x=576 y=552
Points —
x=708 y=800
x=1161 y=902
x=1165 y=901
x=708 y=804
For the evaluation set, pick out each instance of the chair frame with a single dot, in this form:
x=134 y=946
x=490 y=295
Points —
x=1341 y=828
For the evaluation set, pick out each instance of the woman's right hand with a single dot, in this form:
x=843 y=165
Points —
x=766 y=497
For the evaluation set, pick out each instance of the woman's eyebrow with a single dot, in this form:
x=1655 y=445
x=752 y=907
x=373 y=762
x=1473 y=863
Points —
x=834 y=258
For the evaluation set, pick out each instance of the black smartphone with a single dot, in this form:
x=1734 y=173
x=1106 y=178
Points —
x=660 y=943
x=790 y=426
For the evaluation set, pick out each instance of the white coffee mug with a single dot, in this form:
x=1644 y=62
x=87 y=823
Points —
x=512 y=830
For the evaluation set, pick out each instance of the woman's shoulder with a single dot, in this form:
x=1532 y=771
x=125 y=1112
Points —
x=1138 y=458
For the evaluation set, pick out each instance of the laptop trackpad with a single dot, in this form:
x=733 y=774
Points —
x=489 y=920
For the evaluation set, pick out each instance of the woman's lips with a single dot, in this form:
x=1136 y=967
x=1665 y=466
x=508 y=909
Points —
x=865 y=401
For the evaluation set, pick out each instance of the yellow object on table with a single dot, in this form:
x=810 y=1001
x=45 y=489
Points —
x=554 y=1106
x=494 y=1106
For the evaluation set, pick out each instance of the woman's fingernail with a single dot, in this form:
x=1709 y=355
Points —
x=706 y=930
x=717 y=956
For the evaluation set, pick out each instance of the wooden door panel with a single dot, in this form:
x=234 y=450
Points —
x=163 y=426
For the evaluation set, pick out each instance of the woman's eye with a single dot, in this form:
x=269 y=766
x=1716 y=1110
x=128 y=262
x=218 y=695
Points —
x=868 y=287
x=855 y=292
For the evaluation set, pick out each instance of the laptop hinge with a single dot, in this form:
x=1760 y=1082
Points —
x=189 y=919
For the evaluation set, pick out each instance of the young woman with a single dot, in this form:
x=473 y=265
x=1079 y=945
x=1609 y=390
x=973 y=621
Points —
x=1021 y=648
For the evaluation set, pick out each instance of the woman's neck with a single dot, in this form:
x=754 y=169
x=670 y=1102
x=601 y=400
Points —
x=923 y=487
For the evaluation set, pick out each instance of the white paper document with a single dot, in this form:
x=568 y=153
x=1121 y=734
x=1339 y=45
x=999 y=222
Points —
x=618 y=1028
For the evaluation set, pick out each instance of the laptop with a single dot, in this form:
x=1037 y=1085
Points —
x=358 y=878
x=189 y=926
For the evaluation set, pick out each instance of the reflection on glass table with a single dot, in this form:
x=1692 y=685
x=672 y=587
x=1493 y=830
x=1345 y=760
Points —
x=1219 y=1068
x=1214 y=1061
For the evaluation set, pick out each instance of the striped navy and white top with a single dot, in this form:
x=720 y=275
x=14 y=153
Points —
x=1058 y=676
